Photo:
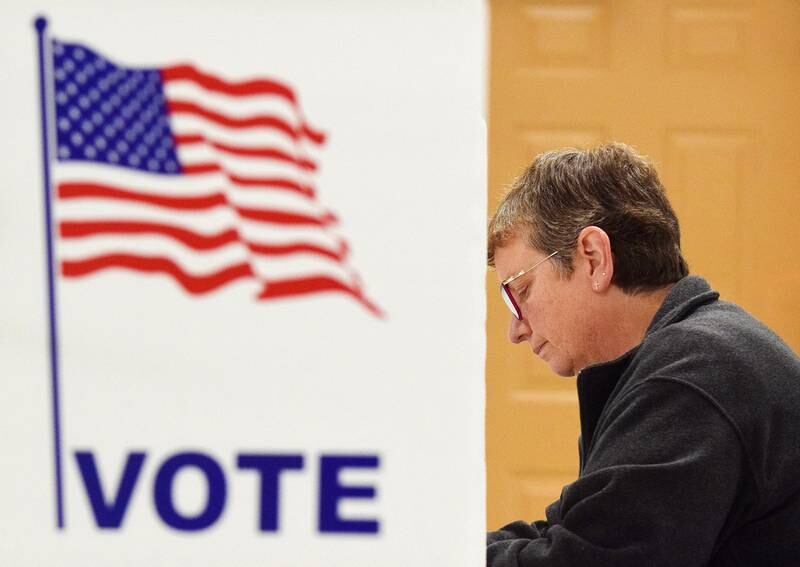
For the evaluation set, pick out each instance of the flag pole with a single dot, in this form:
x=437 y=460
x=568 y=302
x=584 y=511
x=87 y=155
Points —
x=41 y=24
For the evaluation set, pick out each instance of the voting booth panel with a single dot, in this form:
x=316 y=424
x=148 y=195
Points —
x=243 y=306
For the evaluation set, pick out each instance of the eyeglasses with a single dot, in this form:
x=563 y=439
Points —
x=505 y=290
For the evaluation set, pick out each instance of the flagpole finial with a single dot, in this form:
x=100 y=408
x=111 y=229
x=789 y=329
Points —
x=40 y=23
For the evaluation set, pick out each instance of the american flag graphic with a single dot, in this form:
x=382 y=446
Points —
x=178 y=172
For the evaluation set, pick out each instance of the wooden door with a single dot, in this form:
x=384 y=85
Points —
x=710 y=90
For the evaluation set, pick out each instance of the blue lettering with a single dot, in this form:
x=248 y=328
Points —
x=215 y=479
x=269 y=468
x=109 y=514
x=331 y=491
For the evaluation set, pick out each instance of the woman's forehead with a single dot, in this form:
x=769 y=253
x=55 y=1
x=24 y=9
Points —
x=514 y=255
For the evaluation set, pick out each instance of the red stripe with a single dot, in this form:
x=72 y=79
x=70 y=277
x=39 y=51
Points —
x=316 y=284
x=191 y=283
x=177 y=106
x=263 y=152
x=80 y=190
x=264 y=182
x=194 y=240
x=272 y=182
x=197 y=241
x=195 y=168
x=297 y=248
x=281 y=217
x=90 y=190
x=217 y=84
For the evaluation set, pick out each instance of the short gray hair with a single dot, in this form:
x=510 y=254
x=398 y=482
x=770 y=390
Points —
x=611 y=187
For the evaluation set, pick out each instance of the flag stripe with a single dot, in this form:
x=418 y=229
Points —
x=179 y=106
x=275 y=289
x=154 y=264
x=217 y=84
x=241 y=88
x=255 y=152
x=282 y=217
x=260 y=214
x=96 y=190
x=78 y=229
x=195 y=240
x=278 y=183
x=298 y=248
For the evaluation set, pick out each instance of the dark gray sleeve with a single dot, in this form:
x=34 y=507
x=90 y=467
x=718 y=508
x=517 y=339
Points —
x=518 y=530
x=660 y=479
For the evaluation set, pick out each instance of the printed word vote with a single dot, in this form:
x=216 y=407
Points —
x=109 y=508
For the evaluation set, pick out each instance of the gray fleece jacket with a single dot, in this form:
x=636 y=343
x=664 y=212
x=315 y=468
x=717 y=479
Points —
x=690 y=451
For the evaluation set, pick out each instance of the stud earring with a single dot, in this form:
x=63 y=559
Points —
x=596 y=286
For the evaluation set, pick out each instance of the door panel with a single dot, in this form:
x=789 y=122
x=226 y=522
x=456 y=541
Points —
x=709 y=90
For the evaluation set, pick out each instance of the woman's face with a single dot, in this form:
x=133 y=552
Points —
x=556 y=311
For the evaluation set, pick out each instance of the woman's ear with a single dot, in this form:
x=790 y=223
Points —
x=593 y=259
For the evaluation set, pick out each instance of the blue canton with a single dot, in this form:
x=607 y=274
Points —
x=111 y=115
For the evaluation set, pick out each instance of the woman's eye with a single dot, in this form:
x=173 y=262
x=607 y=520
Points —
x=523 y=293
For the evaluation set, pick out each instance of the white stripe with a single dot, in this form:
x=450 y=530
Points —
x=167 y=185
x=244 y=166
x=301 y=267
x=246 y=137
x=205 y=222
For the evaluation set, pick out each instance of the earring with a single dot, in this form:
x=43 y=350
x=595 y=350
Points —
x=596 y=286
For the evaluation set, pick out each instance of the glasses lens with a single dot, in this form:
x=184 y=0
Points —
x=512 y=306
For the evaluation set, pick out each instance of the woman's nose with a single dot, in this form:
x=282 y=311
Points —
x=518 y=330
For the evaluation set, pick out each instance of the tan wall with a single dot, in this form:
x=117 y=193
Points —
x=710 y=90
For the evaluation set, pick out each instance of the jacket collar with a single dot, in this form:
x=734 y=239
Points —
x=597 y=383
x=684 y=297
